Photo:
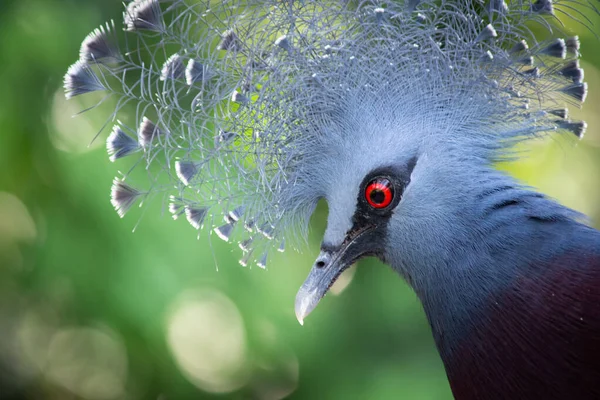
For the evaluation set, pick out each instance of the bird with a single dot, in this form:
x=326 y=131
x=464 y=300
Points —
x=243 y=115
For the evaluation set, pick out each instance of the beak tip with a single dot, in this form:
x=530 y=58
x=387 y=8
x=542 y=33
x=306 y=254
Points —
x=300 y=316
x=305 y=303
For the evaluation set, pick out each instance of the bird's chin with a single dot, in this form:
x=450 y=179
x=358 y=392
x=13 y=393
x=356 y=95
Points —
x=326 y=270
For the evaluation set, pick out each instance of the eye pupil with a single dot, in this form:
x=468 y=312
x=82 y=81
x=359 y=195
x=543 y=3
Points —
x=377 y=196
x=379 y=193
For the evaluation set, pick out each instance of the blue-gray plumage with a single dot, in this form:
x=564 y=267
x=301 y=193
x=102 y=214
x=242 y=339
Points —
x=395 y=113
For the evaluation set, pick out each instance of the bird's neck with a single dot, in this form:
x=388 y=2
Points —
x=491 y=289
x=480 y=244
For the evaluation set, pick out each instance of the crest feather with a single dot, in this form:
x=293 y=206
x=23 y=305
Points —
x=244 y=113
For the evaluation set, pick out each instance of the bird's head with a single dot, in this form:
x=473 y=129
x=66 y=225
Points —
x=383 y=201
x=363 y=207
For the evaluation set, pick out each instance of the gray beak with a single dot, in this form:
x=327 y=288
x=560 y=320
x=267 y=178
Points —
x=325 y=271
x=332 y=261
x=329 y=266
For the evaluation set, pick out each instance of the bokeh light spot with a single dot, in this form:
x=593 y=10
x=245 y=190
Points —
x=16 y=226
x=91 y=363
x=206 y=335
x=343 y=281
x=15 y=221
x=71 y=134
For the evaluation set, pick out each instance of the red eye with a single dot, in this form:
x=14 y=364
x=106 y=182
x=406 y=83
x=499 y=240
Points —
x=379 y=193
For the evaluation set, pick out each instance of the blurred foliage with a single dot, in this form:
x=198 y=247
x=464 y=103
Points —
x=89 y=310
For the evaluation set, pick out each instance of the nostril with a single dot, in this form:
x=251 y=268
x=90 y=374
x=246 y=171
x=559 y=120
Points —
x=320 y=264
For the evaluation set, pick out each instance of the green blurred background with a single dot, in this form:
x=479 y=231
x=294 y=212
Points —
x=90 y=310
